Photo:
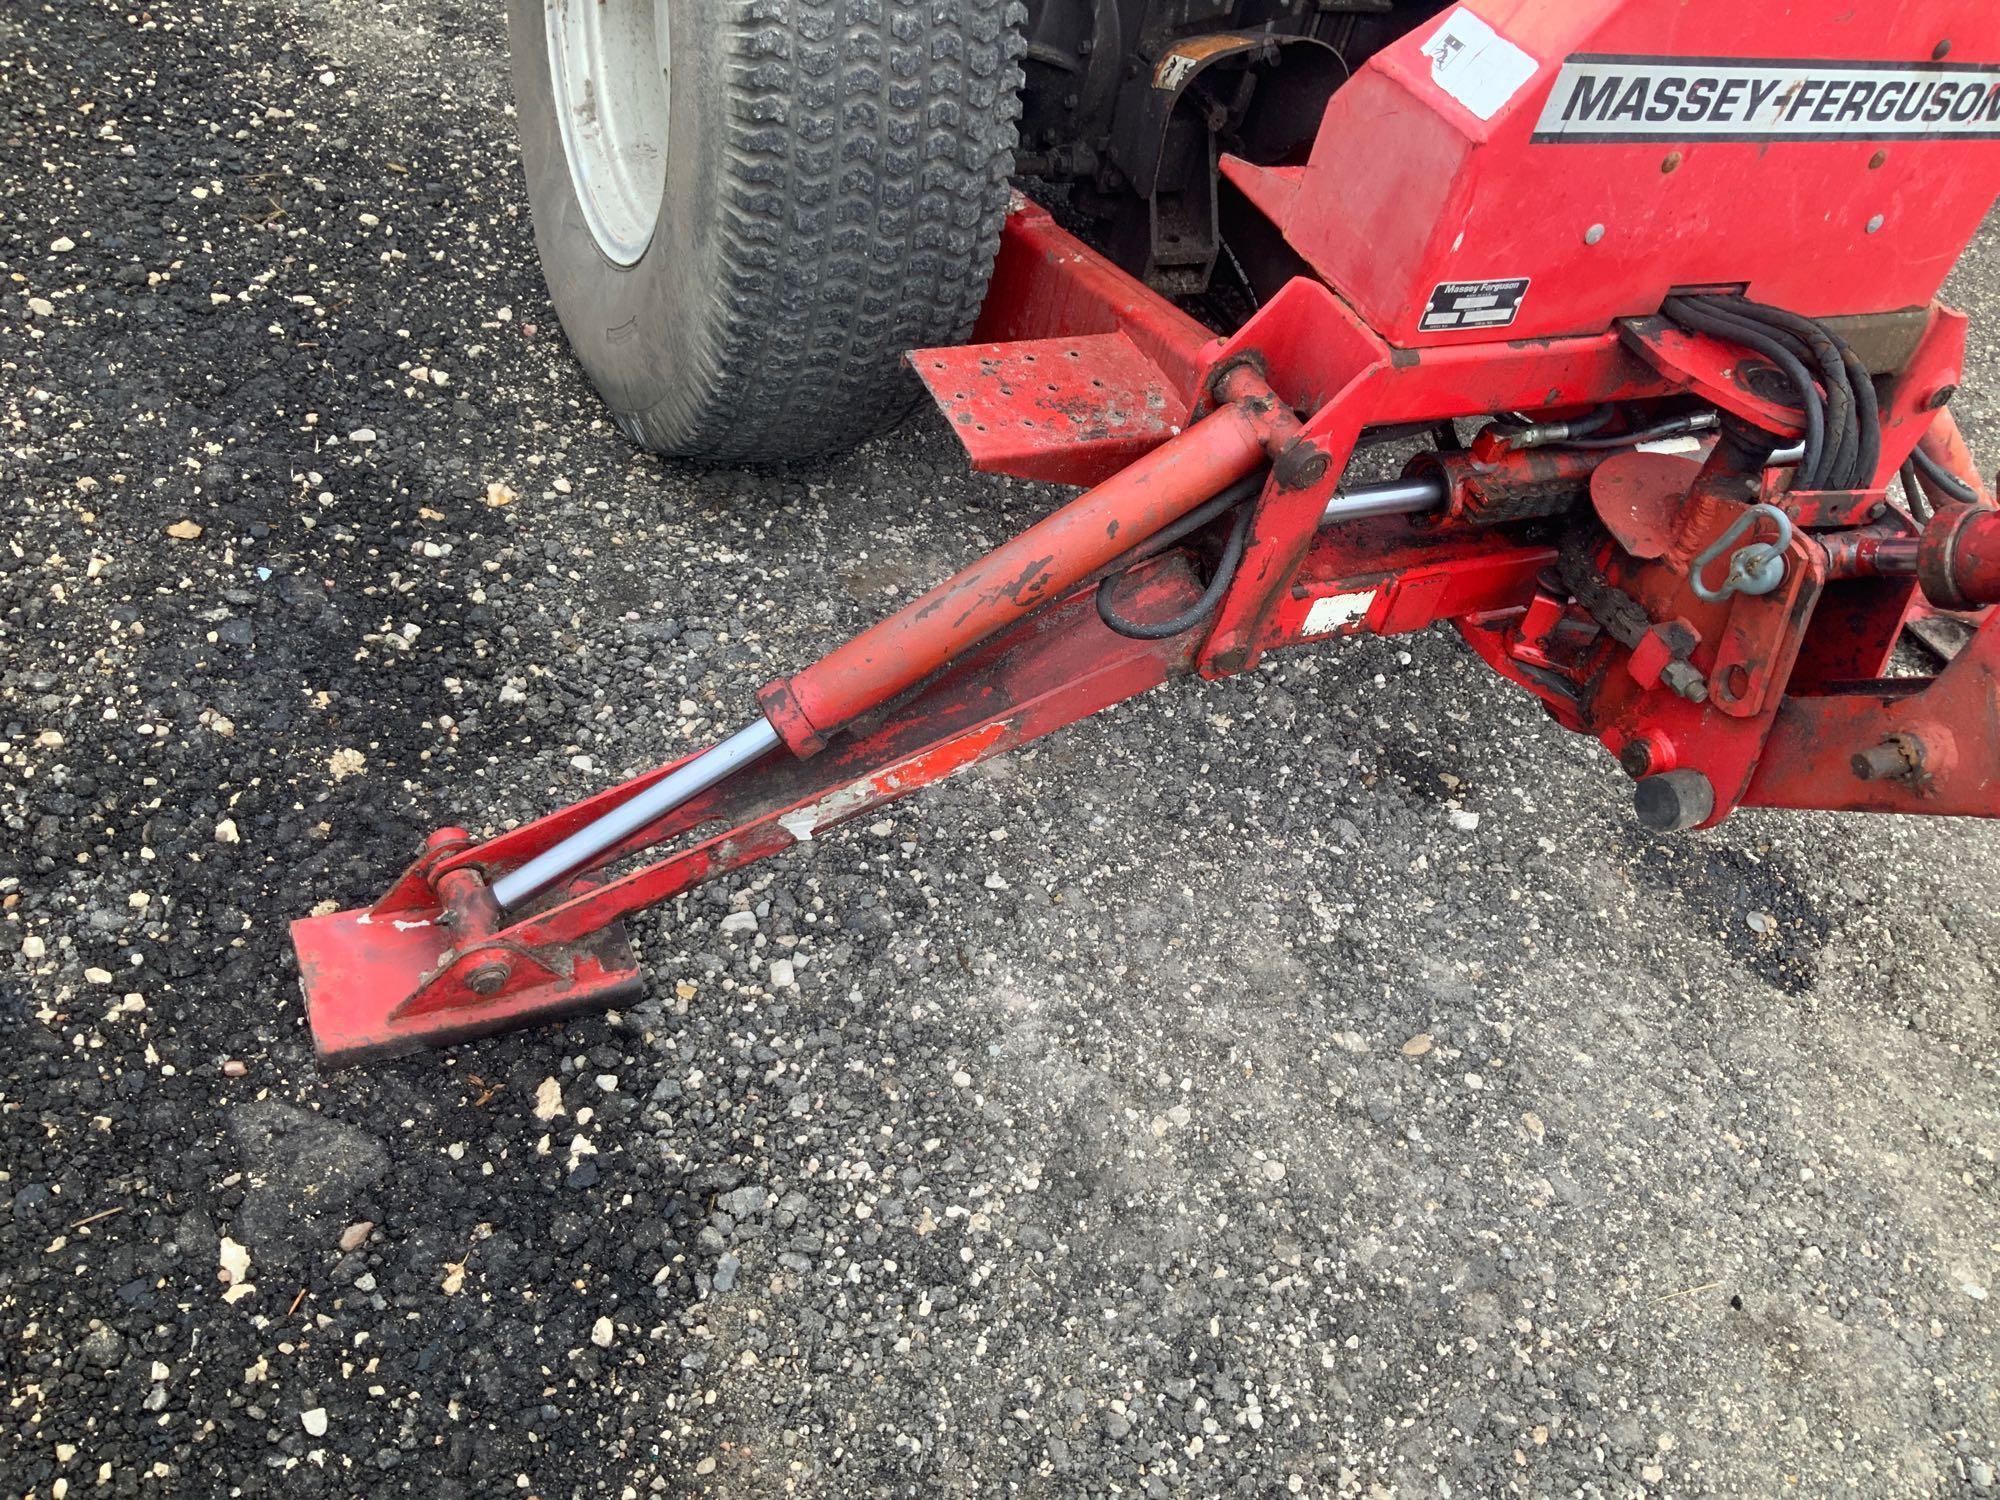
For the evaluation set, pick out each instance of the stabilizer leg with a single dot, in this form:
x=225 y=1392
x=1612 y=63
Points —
x=438 y=959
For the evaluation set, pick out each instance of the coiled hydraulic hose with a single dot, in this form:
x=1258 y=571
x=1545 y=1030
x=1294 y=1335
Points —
x=1235 y=496
x=1702 y=315
x=1841 y=415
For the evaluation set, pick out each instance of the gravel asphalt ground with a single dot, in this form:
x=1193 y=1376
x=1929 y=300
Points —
x=1194 y=1104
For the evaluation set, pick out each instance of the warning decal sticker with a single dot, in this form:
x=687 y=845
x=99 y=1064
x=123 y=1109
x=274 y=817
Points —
x=1473 y=304
x=1476 y=65
x=1616 y=98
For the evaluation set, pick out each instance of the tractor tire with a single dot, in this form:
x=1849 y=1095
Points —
x=745 y=222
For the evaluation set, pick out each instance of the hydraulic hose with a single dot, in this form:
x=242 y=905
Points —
x=1689 y=312
x=1807 y=339
x=1195 y=613
x=1943 y=478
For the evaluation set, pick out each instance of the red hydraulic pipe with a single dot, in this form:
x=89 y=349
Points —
x=1251 y=428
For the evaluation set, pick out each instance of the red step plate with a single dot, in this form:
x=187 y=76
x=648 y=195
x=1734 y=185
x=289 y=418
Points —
x=1068 y=411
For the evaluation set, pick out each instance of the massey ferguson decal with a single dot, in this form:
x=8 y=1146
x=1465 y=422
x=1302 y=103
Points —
x=1611 y=98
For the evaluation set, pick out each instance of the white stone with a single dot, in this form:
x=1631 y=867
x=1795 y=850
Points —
x=548 y=1099
x=234 y=1260
x=602 y=1332
x=314 y=1422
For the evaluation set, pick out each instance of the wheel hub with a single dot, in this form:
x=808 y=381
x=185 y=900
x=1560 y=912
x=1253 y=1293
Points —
x=608 y=67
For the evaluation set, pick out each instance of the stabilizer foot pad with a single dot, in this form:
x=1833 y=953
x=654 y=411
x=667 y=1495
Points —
x=357 y=970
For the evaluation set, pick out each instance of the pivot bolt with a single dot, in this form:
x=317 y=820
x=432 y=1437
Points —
x=487 y=979
x=1674 y=801
x=1301 y=466
x=1895 y=759
x=1638 y=757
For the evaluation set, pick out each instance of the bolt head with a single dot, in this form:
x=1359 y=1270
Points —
x=1875 y=223
x=1594 y=234
x=1941 y=51
x=1301 y=466
x=487 y=979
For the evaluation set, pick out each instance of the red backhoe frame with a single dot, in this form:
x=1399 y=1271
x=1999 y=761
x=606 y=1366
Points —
x=1578 y=574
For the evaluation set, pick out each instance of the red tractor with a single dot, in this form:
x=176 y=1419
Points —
x=1657 y=282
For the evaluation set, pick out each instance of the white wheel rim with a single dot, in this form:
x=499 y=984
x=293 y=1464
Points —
x=608 y=73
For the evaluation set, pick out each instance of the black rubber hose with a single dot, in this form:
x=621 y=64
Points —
x=1195 y=613
x=1913 y=492
x=1843 y=442
x=1591 y=422
x=1246 y=488
x=1843 y=428
x=1687 y=311
x=1944 y=479
x=1672 y=427
x=1867 y=415
x=1705 y=316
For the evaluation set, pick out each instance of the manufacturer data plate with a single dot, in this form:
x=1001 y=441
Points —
x=1473 y=304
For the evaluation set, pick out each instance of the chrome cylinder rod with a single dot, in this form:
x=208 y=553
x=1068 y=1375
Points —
x=1392 y=497
x=628 y=817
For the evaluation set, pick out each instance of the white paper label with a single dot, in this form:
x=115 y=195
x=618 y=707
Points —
x=1476 y=65
x=1337 y=612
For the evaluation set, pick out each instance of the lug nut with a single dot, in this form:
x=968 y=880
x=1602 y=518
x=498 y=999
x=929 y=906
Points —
x=1685 y=680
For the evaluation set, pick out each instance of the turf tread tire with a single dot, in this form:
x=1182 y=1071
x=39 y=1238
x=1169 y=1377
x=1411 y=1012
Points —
x=842 y=206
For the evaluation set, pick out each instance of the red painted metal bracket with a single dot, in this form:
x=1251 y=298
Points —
x=1048 y=284
x=1068 y=411
x=1905 y=745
